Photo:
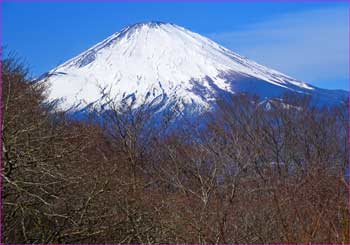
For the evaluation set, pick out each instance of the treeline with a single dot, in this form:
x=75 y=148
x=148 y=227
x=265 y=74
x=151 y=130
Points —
x=253 y=175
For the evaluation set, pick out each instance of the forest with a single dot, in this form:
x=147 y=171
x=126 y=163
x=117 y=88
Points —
x=252 y=174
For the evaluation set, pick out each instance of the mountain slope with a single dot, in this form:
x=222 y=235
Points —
x=168 y=64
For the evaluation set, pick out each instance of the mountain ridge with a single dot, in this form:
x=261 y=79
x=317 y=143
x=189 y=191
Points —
x=150 y=59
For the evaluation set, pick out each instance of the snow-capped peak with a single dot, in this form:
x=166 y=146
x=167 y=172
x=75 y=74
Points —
x=151 y=59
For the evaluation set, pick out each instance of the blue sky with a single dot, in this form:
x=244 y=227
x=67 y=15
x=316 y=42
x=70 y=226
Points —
x=309 y=41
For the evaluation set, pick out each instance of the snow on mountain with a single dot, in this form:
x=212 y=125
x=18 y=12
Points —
x=167 y=63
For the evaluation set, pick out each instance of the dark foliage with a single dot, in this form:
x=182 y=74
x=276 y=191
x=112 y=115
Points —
x=256 y=174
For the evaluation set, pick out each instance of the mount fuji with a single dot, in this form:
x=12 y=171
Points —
x=167 y=65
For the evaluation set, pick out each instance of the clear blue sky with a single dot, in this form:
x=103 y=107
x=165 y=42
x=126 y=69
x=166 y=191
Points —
x=309 y=41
